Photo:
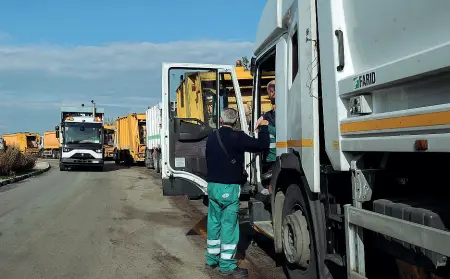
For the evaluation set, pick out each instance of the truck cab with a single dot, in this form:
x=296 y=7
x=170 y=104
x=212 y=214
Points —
x=81 y=137
x=193 y=95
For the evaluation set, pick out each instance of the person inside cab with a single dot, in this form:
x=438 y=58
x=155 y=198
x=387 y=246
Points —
x=269 y=155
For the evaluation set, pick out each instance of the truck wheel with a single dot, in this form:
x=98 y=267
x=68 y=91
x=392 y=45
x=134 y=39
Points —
x=297 y=236
x=62 y=167
x=116 y=157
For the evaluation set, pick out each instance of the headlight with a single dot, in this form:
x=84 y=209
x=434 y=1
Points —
x=99 y=150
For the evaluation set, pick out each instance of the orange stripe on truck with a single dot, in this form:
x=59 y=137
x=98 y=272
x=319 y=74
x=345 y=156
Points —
x=410 y=121
x=295 y=143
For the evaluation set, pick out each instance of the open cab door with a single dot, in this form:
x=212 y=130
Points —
x=193 y=95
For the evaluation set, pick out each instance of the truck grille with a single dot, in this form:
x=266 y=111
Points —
x=82 y=156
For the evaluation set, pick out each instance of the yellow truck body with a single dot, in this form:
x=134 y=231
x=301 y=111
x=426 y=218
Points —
x=50 y=140
x=130 y=138
x=189 y=105
x=108 y=144
x=26 y=142
x=51 y=145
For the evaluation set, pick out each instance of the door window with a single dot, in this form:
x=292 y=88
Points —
x=193 y=96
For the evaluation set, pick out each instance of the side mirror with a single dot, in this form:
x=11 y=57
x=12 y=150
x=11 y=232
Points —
x=57 y=134
x=56 y=128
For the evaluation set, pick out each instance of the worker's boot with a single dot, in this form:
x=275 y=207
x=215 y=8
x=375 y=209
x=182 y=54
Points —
x=236 y=273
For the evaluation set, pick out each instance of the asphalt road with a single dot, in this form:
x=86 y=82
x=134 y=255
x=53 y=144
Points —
x=111 y=224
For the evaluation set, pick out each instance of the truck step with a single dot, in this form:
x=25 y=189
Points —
x=264 y=227
x=258 y=211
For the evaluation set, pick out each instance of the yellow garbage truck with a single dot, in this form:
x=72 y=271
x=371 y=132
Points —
x=130 y=139
x=50 y=145
x=108 y=144
x=27 y=142
x=195 y=93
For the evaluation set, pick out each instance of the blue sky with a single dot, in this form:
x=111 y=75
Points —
x=55 y=53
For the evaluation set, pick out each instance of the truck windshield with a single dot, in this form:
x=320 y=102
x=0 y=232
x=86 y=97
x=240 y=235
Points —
x=82 y=133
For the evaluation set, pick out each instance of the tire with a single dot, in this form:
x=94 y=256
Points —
x=116 y=157
x=62 y=167
x=295 y=203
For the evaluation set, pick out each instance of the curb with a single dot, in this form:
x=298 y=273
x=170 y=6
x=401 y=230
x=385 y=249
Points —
x=24 y=176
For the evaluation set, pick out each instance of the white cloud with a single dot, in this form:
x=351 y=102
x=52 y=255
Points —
x=101 y=61
x=122 y=77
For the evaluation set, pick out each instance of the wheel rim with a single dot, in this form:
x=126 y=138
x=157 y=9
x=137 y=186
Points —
x=296 y=240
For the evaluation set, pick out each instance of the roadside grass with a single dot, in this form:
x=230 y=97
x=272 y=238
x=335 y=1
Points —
x=14 y=163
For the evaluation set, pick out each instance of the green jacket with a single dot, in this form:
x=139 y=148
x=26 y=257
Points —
x=272 y=154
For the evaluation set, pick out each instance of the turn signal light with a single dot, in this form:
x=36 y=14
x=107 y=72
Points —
x=421 y=145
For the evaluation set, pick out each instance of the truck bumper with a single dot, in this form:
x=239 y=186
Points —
x=79 y=162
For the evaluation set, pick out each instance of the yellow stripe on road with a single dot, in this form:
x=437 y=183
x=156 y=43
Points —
x=410 y=121
x=295 y=143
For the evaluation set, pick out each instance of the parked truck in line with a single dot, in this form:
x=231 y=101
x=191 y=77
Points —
x=130 y=139
x=153 y=141
x=188 y=105
x=50 y=146
x=362 y=105
x=80 y=134
x=26 y=142
x=108 y=135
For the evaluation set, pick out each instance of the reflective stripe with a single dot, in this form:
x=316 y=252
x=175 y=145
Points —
x=213 y=242
x=273 y=145
x=226 y=256
x=228 y=246
x=214 y=251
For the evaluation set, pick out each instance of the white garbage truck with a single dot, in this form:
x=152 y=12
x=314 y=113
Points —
x=362 y=137
x=80 y=135
x=153 y=142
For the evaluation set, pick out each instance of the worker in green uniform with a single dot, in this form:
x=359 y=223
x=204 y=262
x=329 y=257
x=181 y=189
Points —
x=270 y=155
x=225 y=149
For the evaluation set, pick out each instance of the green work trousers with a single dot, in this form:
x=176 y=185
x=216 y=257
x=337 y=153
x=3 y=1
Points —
x=223 y=225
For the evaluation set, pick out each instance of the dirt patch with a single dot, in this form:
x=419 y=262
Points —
x=172 y=219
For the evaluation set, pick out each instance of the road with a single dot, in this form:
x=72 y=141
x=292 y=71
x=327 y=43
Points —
x=111 y=224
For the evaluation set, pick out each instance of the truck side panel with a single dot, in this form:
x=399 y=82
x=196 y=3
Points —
x=153 y=122
x=393 y=86
x=50 y=140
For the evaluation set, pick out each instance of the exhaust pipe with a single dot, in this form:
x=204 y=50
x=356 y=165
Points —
x=93 y=109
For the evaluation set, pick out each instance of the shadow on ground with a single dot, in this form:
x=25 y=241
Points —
x=109 y=167
x=248 y=240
